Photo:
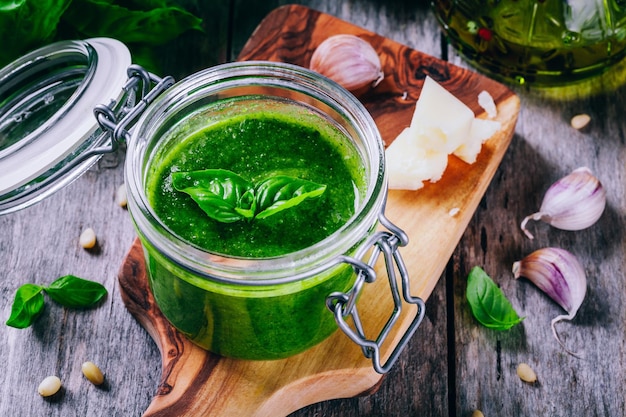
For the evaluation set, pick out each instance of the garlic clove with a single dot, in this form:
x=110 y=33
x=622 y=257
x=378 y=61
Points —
x=348 y=60
x=559 y=274
x=574 y=202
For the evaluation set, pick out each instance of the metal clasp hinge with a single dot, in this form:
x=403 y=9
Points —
x=140 y=90
x=343 y=305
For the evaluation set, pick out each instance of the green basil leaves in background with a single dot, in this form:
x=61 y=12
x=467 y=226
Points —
x=141 y=24
x=227 y=197
x=145 y=23
x=69 y=291
x=488 y=303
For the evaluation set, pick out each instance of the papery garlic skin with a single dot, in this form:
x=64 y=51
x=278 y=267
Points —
x=348 y=60
x=559 y=274
x=574 y=202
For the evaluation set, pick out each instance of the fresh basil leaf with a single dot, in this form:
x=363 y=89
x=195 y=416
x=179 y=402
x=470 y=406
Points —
x=280 y=192
x=74 y=292
x=28 y=24
x=145 y=4
x=223 y=195
x=8 y=5
x=27 y=305
x=488 y=303
x=149 y=27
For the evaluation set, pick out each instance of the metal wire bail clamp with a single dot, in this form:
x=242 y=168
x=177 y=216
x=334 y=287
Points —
x=343 y=305
x=140 y=91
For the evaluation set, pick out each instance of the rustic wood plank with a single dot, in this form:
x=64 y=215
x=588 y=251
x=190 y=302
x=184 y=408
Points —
x=544 y=149
x=482 y=368
x=40 y=244
x=494 y=240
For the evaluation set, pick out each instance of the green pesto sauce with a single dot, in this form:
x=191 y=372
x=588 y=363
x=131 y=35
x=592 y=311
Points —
x=251 y=322
x=253 y=145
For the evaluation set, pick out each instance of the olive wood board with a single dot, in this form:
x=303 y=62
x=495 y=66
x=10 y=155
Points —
x=195 y=382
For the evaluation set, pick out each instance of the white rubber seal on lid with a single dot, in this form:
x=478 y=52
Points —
x=76 y=126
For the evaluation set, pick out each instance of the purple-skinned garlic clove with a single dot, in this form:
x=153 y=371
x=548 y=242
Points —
x=560 y=275
x=574 y=202
x=350 y=61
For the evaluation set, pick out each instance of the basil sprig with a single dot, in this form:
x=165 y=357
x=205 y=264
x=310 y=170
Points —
x=488 y=303
x=140 y=24
x=227 y=197
x=69 y=291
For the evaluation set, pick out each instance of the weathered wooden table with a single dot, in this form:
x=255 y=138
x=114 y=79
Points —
x=452 y=365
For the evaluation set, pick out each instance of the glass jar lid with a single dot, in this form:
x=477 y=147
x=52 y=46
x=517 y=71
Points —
x=47 y=128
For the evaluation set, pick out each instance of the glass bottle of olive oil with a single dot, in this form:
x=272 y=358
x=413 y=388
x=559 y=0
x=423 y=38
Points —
x=543 y=42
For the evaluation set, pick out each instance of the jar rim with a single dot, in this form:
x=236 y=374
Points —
x=290 y=267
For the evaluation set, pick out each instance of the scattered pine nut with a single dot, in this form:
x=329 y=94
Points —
x=49 y=386
x=87 y=238
x=526 y=373
x=121 y=198
x=580 y=121
x=92 y=373
x=478 y=413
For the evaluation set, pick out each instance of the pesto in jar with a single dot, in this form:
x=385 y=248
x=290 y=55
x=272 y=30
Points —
x=270 y=136
x=259 y=145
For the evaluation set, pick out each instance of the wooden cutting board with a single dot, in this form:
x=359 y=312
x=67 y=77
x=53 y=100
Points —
x=197 y=383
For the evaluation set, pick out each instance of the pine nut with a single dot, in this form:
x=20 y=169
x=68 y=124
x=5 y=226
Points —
x=87 y=238
x=478 y=413
x=49 y=386
x=121 y=198
x=526 y=373
x=92 y=373
x=580 y=121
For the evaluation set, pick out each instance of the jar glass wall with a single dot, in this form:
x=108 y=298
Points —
x=249 y=307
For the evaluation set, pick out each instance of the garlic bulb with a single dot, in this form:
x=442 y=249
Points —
x=348 y=60
x=559 y=274
x=574 y=202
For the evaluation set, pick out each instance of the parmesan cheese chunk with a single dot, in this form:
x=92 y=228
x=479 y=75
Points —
x=438 y=110
x=481 y=130
x=412 y=165
x=441 y=125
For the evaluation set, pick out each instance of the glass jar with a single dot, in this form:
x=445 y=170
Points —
x=538 y=42
x=251 y=307
x=246 y=307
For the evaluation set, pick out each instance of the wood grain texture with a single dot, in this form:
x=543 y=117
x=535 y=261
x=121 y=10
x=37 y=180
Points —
x=453 y=365
x=195 y=382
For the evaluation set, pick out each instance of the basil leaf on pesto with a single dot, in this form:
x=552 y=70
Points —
x=74 y=292
x=280 y=192
x=488 y=303
x=27 y=305
x=227 y=197
x=223 y=195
